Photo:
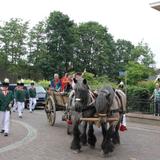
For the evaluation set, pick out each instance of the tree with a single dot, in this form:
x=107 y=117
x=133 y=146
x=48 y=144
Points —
x=95 y=49
x=123 y=53
x=13 y=49
x=13 y=36
x=60 y=40
x=37 y=50
x=142 y=54
x=137 y=72
x=37 y=42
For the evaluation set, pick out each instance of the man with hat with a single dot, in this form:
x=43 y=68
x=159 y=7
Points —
x=20 y=96
x=6 y=100
x=32 y=97
x=15 y=103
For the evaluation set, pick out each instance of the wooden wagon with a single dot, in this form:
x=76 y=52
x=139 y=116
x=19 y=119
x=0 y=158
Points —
x=58 y=101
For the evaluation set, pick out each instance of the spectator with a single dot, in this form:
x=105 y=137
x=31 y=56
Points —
x=156 y=96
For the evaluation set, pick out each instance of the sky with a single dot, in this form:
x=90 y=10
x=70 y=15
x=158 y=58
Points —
x=132 y=20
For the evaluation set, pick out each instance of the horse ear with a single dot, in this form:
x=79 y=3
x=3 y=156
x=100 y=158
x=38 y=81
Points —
x=84 y=81
x=75 y=81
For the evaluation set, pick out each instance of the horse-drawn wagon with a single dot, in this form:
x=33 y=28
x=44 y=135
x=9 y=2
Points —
x=58 y=101
x=106 y=110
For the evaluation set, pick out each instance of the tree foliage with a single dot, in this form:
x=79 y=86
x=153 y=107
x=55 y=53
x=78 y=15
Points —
x=57 y=44
x=95 y=48
x=60 y=40
x=13 y=39
x=137 y=72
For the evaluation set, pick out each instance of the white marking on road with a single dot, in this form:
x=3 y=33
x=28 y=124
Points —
x=32 y=134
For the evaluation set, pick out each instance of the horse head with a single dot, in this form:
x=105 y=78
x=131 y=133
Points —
x=81 y=93
x=104 y=100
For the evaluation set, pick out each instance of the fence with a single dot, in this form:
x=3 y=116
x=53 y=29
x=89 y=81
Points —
x=135 y=104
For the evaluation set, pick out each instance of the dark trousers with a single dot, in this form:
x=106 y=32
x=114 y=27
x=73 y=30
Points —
x=157 y=108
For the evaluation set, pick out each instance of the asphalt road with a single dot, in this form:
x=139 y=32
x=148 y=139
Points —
x=32 y=138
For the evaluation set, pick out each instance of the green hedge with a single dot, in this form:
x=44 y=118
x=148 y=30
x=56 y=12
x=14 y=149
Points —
x=148 y=85
x=138 y=99
x=44 y=83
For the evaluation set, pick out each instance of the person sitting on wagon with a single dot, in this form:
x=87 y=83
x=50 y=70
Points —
x=66 y=83
x=56 y=83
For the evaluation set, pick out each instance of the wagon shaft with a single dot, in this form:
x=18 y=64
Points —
x=99 y=120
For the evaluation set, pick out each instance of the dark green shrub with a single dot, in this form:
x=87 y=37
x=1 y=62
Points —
x=148 y=85
x=138 y=99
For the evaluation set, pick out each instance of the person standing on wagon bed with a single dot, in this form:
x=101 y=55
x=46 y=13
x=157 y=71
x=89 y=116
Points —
x=32 y=97
x=6 y=100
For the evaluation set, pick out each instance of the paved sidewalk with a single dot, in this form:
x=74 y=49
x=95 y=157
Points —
x=18 y=132
x=143 y=118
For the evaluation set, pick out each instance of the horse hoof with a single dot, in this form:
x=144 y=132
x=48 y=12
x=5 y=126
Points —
x=104 y=155
x=76 y=151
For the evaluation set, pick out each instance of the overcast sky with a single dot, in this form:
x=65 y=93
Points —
x=132 y=20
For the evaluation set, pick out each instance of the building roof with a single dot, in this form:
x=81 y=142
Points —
x=155 y=5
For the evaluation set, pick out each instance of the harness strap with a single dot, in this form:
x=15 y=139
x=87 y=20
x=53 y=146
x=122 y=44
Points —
x=92 y=98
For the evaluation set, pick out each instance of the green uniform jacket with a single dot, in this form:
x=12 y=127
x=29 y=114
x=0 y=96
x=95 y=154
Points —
x=5 y=100
x=20 y=95
x=32 y=92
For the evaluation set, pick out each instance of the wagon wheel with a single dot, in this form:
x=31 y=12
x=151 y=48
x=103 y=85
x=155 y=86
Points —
x=50 y=109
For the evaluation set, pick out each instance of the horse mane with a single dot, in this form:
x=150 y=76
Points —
x=104 y=99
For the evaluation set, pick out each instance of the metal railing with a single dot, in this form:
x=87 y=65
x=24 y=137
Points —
x=135 y=104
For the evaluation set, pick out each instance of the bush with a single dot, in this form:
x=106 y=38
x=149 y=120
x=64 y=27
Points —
x=97 y=82
x=148 y=85
x=138 y=99
x=44 y=83
x=28 y=81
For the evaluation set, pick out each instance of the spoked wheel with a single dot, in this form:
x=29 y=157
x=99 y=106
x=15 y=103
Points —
x=50 y=110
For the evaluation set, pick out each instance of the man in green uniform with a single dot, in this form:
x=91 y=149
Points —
x=15 y=108
x=20 y=96
x=6 y=100
x=32 y=97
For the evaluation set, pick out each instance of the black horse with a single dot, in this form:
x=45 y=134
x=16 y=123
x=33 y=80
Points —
x=107 y=102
